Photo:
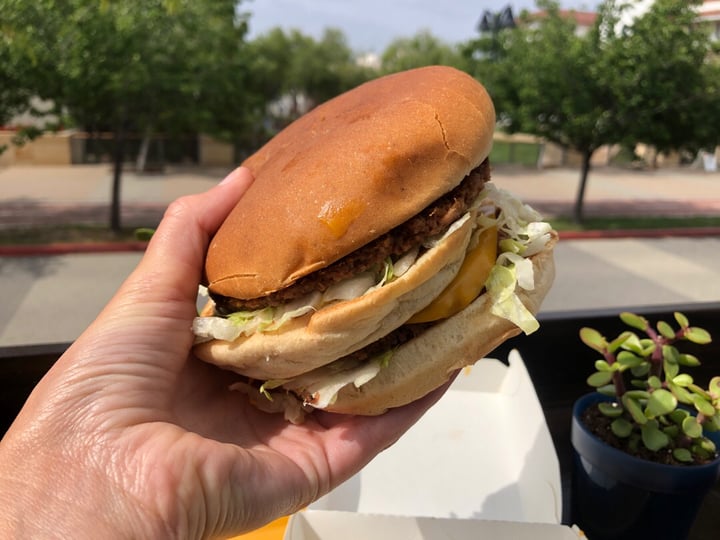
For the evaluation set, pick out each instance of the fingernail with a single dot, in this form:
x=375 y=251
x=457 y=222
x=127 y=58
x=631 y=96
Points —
x=229 y=178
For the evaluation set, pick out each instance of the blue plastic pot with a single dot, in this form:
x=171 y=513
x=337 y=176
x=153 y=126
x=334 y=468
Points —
x=616 y=496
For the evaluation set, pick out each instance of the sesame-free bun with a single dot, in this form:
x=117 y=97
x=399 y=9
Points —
x=347 y=172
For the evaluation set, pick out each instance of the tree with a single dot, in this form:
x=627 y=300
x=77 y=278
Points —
x=294 y=65
x=171 y=66
x=422 y=49
x=665 y=93
x=640 y=83
x=545 y=82
x=14 y=95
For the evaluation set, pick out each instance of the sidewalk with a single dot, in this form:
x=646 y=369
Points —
x=31 y=195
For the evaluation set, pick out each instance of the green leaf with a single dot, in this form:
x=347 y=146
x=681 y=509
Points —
x=703 y=448
x=714 y=388
x=691 y=427
x=634 y=321
x=610 y=409
x=712 y=424
x=703 y=406
x=654 y=382
x=144 y=234
x=638 y=394
x=707 y=445
x=683 y=380
x=634 y=408
x=678 y=415
x=665 y=330
x=670 y=354
x=688 y=360
x=699 y=391
x=642 y=370
x=629 y=360
x=607 y=390
x=593 y=339
x=621 y=428
x=682 y=395
x=660 y=402
x=635 y=344
x=649 y=350
x=599 y=378
x=681 y=319
x=683 y=455
x=671 y=369
x=653 y=438
x=698 y=335
x=620 y=341
x=602 y=365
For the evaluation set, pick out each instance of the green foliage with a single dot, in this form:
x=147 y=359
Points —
x=652 y=403
x=170 y=66
x=662 y=80
x=422 y=49
x=656 y=81
x=14 y=93
x=293 y=65
x=165 y=65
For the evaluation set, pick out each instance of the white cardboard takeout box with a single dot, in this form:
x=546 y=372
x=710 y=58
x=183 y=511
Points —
x=480 y=464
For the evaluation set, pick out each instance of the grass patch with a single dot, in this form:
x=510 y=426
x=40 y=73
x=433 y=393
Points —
x=60 y=234
x=634 y=223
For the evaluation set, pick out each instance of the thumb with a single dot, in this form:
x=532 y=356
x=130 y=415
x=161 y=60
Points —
x=164 y=285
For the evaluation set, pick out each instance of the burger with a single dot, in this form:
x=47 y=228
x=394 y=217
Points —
x=372 y=257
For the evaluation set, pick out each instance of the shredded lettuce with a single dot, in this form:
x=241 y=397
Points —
x=269 y=319
x=320 y=386
x=403 y=264
x=523 y=234
x=505 y=302
x=208 y=328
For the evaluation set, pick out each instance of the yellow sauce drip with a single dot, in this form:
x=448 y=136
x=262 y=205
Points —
x=338 y=218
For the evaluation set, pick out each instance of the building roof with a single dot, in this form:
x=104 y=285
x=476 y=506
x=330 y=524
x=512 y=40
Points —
x=581 y=18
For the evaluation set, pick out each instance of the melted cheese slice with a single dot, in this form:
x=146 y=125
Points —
x=467 y=284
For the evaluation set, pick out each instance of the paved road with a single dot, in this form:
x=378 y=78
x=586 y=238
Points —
x=49 y=299
x=36 y=194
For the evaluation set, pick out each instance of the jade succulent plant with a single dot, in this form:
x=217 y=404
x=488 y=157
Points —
x=656 y=405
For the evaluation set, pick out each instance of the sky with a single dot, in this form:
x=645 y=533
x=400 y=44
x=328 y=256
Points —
x=370 y=25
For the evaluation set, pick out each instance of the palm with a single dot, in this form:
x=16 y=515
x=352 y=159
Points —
x=205 y=440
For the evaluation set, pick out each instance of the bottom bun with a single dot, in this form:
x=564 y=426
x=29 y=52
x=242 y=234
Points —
x=428 y=361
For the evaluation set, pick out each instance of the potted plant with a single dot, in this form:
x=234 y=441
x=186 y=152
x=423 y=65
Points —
x=645 y=441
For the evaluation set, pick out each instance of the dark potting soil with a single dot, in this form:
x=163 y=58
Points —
x=599 y=425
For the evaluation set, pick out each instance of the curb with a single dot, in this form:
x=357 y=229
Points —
x=71 y=248
x=132 y=247
x=680 y=232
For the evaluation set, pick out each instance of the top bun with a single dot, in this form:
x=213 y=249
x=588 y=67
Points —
x=346 y=173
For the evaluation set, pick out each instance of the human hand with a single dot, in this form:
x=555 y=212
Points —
x=129 y=436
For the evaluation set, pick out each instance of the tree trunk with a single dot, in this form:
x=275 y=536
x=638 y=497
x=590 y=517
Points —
x=118 y=159
x=578 y=216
